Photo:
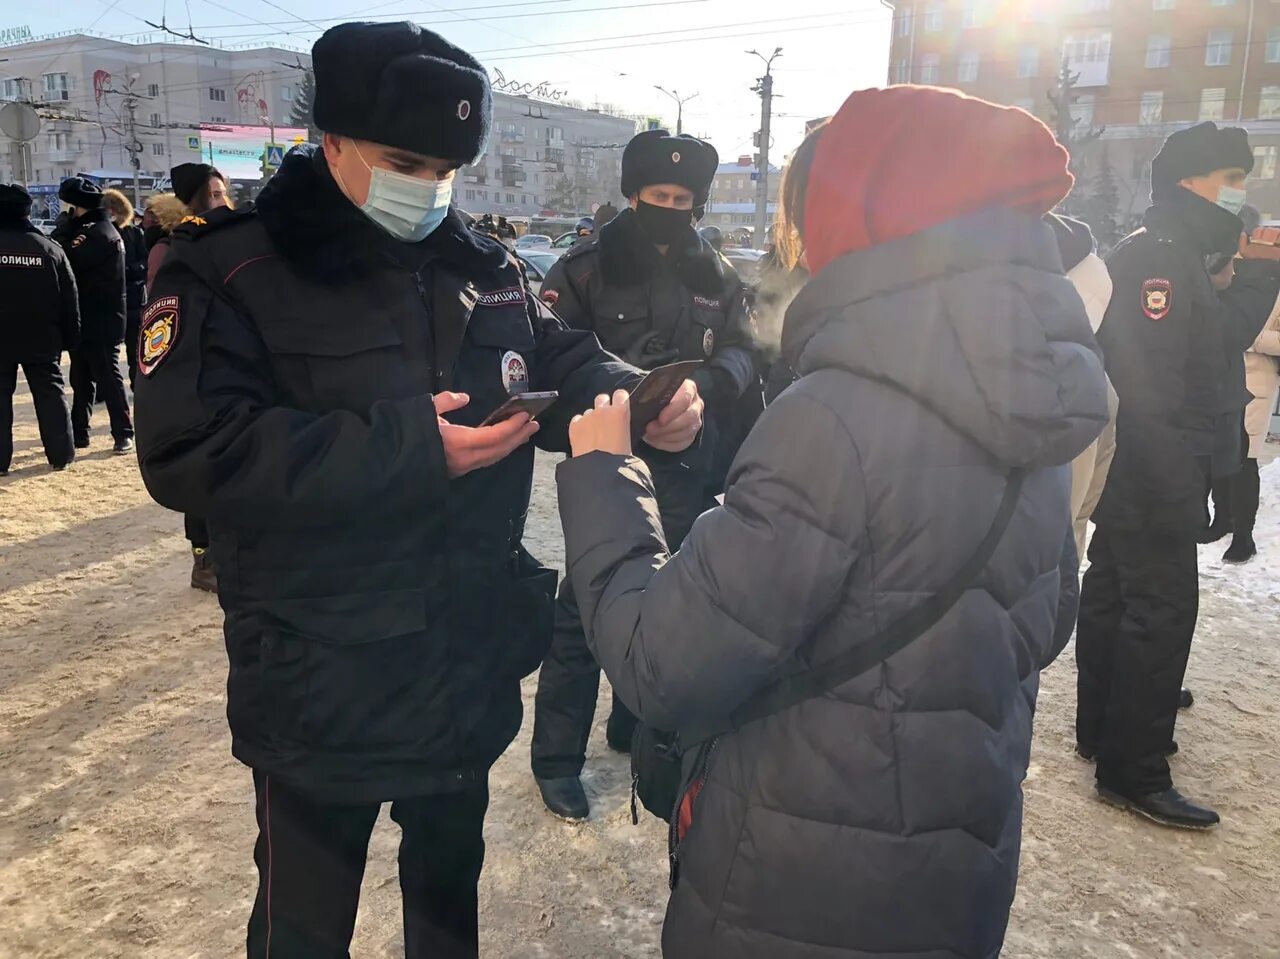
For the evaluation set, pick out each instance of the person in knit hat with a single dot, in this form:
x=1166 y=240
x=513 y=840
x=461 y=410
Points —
x=1166 y=338
x=330 y=377
x=900 y=512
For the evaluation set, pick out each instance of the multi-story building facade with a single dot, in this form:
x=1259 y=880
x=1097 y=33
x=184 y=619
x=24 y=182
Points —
x=546 y=158
x=732 y=204
x=1143 y=69
x=542 y=156
x=80 y=85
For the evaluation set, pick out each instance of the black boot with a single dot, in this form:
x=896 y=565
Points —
x=1217 y=530
x=565 y=797
x=203 y=574
x=1185 y=699
x=1168 y=808
x=1241 y=550
x=123 y=445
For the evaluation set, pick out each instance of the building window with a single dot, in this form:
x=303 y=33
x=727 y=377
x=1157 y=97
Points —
x=933 y=18
x=972 y=15
x=1264 y=163
x=1217 y=49
x=56 y=87
x=157 y=149
x=1087 y=48
x=1269 y=104
x=471 y=195
x=902 y=71
x=903 y=24
x=10 y=89
x=155 y=119
x=1028 y=62
x=1151 y=111
x=286 y=93
x=930 y=67
x=1158 y=51
x=1213 y=103
x=217 y=94
x=967 y=69
x=153 y=89
x=1273 y=45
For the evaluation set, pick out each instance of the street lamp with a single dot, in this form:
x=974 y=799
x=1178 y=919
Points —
x=680 y=102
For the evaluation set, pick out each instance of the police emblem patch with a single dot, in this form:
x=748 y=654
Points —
x=158 y=333
x=464 y=109
x=675 y=158
x=515 y=372
x=708 y=342
x=1157 y=298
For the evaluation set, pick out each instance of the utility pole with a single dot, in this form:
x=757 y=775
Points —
x=765 y=89
x=135 y=147
x=680 y=102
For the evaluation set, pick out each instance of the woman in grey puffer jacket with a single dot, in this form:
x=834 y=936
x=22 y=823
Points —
x=939 y=347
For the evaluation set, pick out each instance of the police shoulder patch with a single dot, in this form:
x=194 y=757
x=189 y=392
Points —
x=1157 y=298
x=158 y=333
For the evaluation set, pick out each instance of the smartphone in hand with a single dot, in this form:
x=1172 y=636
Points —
x=532 y=403
x=651 y=395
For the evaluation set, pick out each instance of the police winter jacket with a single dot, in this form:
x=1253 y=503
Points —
x=884 y=818
x=135 y=266
x=39 y=312
x=96 y=253
x=1165 y=354
x=379 y=615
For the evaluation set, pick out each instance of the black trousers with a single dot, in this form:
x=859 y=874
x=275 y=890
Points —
x=569 y=681
x=44 y=377
x=133 y=324
x=311 y=859
x=1138 y=608
x=197 y=531
x=95 y=374
x=1245 y=488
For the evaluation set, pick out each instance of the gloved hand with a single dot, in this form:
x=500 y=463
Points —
x=650 y=352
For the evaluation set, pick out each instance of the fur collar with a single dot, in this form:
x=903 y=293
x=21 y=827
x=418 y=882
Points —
x=323 y=236
x=168 y=211
x=629 y=258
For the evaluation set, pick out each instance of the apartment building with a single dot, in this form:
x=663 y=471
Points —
x=1145 y=68
x=79 y=84
x=733 y=194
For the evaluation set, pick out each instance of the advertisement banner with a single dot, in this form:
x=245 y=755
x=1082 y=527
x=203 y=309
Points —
x=237 y=151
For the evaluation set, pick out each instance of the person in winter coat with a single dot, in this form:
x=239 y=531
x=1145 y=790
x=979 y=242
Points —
x=314 y=377
x=135 y=271
x=1164 y=345
x=39 y=318
x=198 y=190
x=882 y=818
x=96 y=252
x=654 y=292
x=1262 y=372
x=1086 y=270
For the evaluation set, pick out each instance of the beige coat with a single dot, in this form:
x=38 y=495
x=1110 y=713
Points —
x=1262 y=375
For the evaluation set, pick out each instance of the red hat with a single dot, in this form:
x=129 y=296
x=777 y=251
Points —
x=896 y=161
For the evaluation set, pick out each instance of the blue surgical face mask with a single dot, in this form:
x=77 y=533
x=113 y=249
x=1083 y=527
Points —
x=408 y=208
x=1232 y=199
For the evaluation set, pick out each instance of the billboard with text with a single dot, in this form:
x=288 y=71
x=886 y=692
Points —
x=237 y=150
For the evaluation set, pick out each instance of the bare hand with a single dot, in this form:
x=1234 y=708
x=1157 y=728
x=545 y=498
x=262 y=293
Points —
x=469 y=448
x=678 y=425
x=605 y=429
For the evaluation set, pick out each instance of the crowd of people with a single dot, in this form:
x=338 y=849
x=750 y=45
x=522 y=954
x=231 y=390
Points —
x=822 y=578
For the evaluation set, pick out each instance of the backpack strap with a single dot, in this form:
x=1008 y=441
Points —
x=788 y=691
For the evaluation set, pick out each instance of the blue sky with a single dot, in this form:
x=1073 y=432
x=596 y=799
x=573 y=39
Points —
x=611 y=51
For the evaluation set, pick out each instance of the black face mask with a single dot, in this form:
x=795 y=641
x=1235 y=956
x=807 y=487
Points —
x=662 y=224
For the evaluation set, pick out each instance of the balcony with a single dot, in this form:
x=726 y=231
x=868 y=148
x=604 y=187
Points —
x=61 y=156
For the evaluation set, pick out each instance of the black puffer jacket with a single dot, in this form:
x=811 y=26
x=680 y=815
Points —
x=96 y=253
x=883 y=819
x=39 y=313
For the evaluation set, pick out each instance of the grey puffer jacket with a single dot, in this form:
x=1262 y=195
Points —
x=884 y=818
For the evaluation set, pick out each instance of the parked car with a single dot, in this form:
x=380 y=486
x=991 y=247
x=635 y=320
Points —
x=745 y=261
x=537 y=263
x=533 y=241
x=45 y=226
x=565 y=240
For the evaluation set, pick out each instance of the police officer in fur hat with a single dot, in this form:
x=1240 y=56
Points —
x=316 y=372
x=96 y=252
x=655 y=292
x=39 y=318
x=1164 y=340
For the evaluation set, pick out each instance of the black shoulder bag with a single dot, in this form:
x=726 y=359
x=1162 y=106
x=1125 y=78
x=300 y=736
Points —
x=664 y=766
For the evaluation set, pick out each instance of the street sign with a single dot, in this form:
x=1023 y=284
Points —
x=275 y=154
x=193 y=143
x=19 y=121
x=755 y=176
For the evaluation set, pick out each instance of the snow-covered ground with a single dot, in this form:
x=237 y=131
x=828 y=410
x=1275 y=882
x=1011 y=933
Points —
x=126 y=828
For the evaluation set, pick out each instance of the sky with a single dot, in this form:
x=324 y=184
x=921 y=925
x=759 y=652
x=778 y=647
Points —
x=608 y=51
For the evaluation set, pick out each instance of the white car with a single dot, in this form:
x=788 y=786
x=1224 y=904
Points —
x=45 y=226
x=537 y=263
x=533 y=241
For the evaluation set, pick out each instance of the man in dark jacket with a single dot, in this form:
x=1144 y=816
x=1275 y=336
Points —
x=39 y=318
x=654 y=292
x=1163 y=341
x=97 y=257
x=135 y=271
x=314 y=373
